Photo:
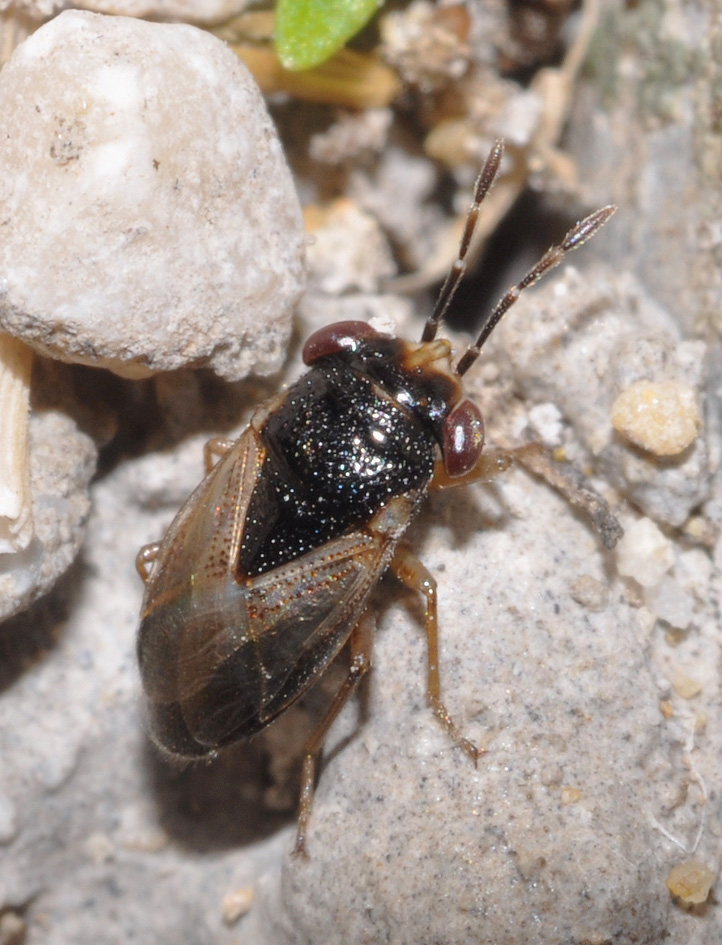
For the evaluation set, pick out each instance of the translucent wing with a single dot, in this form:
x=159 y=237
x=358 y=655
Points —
x=221 y=657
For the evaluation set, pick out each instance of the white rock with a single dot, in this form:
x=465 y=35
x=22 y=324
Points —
x=580 y=341
x=62 y=462
x=149 y=218
x=670 y=602
x=196 y=11
x=349 y=251
x=546 y=421
x=644 y=553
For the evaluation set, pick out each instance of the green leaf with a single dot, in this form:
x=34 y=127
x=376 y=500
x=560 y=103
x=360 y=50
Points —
x=310 y=31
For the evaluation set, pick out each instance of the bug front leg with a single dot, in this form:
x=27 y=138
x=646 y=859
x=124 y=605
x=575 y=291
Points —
x=415 y=576
x=361 y=641
x=571 y=483
x=491 y=464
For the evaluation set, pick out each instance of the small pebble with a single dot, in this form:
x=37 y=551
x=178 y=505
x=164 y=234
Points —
x=547 y=422
x=685 y=686
x=644 y=553
x=661 y=418
x=666 y=708
x=237 y=903
x=690 y=881
x=668 y=601
x=13 y=928
x=571 y=795
x=590 y=593
x=349 y=250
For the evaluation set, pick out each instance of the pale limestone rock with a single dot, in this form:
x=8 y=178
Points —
x=580 y=341
x=644 y=553
x=149 y=218
x=194 y=11
x=62 y=462
x=349 y=250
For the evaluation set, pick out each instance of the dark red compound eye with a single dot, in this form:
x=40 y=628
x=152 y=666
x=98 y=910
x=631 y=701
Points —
x=333 y=338
x=463 y=439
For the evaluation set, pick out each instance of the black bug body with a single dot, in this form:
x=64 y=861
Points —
x=309 y=506
x=265 y=573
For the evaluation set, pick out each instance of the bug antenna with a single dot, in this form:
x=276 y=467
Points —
x=578 y=235
x=456 y=273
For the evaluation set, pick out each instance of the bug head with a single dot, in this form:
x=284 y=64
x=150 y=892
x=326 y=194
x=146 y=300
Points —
x=420 y=376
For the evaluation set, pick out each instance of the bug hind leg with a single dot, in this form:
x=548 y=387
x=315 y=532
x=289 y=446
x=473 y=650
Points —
x=411 y=572
x=361 y=641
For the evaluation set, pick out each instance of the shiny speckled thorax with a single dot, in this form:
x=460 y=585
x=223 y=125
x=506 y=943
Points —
x=264 y=576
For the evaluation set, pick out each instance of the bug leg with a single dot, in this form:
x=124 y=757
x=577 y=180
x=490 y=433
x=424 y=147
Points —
x=490 y=465
x=571 y=484
x=145 y=558
x=361 y=643
x=415 y=576
x=213 y=450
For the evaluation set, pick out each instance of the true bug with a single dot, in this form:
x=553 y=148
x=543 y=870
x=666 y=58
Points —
x=265 y=573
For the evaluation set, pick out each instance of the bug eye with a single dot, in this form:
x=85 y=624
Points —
x=340 y=336
x=463 y=438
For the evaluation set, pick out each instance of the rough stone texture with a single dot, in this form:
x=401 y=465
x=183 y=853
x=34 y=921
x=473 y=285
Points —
x=645 y=132
x=193 y=11
x=598 y=700
x=549 y=840
x=582 y=340
x=349 y=251
x=132 y=239
x=62 y=462
x=572 y=815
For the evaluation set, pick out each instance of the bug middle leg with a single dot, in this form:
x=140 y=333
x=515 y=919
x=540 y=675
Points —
x=361 y=640
x=408 y=569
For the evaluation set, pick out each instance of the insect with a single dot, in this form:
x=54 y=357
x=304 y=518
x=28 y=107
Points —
x=265 y=573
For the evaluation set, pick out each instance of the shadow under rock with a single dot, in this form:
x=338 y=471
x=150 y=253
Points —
x=29 y=636
x=218 y=804
x=249 y=790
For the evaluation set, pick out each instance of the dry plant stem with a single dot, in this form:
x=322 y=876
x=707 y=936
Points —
x=348 y=79
x=16 y=523
x=555 y=87
x=14 y=28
